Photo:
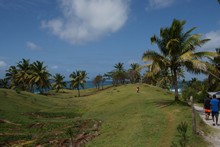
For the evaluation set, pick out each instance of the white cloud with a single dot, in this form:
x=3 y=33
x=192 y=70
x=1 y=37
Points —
x=158 y=4
x=54 y=67
x=2 y=63
x=88 y=20
x=214 y=42
x=32 y=46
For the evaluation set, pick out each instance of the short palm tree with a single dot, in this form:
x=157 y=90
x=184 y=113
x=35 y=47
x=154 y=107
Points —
x=78 y=79
x=11 y=76
x=134 y=73
x=4 y=83
x=119 y=74
x=177 y=51
x=58 y=82
x=39 y=76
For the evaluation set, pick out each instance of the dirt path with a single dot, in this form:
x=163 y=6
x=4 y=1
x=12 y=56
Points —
x=213 y=138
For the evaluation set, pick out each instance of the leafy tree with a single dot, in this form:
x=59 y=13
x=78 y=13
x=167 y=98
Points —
x=39 y=76
x=78 y=79
x=58 y=82
x=177 y=51
x=97 y=81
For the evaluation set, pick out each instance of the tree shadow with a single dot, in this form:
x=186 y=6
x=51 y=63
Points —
x=167 y=103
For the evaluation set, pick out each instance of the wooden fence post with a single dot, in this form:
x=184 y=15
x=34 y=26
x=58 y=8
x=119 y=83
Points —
x=193 y=115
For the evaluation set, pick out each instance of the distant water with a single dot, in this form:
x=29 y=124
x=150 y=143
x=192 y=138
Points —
x=180 y=85
x=87 y=85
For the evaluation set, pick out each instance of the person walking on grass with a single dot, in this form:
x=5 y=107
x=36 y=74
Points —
x=215 y=108
x=207 y=107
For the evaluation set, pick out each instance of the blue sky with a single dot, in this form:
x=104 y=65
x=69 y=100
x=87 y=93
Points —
x=94 y=35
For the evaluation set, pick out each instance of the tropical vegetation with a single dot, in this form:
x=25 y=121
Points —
x=59 y=82
x=78 y=80
x=177 y=52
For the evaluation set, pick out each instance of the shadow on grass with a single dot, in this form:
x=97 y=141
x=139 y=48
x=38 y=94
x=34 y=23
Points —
x=167 y=103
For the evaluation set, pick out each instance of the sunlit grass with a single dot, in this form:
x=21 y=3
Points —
x=128 y=118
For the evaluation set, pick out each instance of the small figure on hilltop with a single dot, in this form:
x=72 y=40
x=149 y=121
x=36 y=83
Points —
x=137 y=89
x=207 y=107
x=215 y=108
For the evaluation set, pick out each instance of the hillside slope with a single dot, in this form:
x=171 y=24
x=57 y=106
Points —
x=123 y=117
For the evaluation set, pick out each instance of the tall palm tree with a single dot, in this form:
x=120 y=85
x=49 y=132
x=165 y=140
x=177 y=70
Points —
x=39 y=76
x=177 y=50
x=58 y=82
x=22 y=77
x=213 y=80
x=78 y=79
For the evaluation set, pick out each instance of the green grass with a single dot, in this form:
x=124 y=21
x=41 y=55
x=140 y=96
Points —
x=127 y=118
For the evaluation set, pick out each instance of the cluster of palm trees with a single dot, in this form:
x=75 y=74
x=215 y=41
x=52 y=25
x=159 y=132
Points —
x=177 y=53
x=121 y=76
x=27 y=76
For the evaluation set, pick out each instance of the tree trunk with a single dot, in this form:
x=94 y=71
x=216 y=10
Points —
x=175 y=84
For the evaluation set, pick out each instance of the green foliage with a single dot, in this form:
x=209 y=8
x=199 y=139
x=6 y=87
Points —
x=194 y=88
x=182 y=135
x=182 y=130
x=26 y=75
x=177 y=51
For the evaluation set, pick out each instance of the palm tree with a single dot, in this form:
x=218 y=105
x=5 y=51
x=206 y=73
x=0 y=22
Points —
x=119 y=74
x=177 y=50
x=58 y=82
x=39 y=76
x=78 y=79
x=4 y=83
x=11 y=76
x=22 y=77
x=213 y=81
x=134 y=73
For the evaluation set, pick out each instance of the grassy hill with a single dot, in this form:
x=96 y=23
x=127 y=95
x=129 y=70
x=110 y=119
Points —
x=116 y=116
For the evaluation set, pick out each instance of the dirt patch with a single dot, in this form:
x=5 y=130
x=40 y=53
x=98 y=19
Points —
x=36 y=125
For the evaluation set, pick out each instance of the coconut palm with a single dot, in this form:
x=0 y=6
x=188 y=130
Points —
x=4 y=83
x=58 y=82
x=10 y=76
x=22 y=77
x=134 y=73
x=119 y=74
x=177 y=51
x=213 y=80
x=39 y=76
x=78 y=79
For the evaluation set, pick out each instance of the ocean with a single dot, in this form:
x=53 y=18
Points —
x=87 y=85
